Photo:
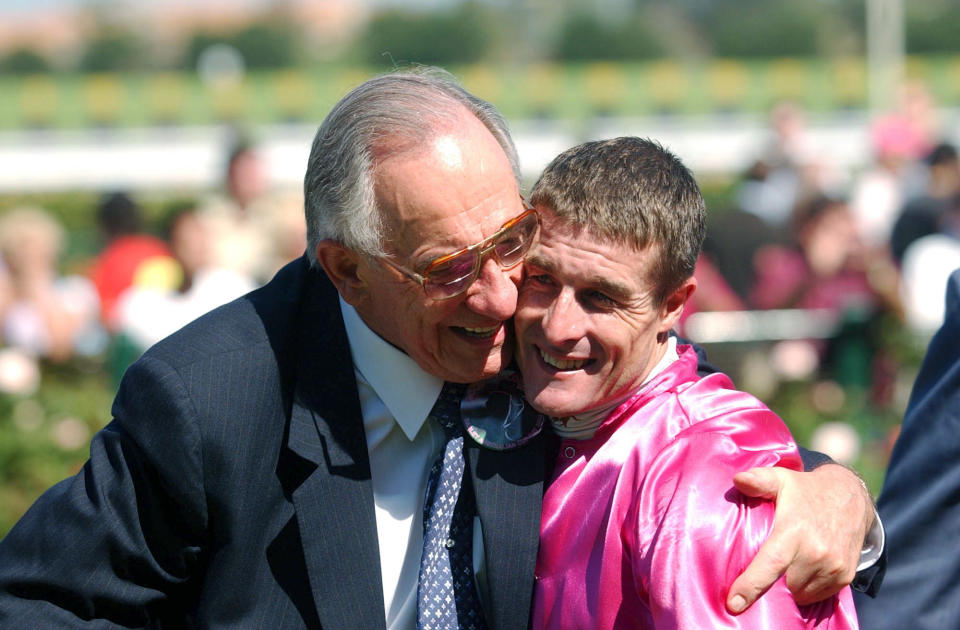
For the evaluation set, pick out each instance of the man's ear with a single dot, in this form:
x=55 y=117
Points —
x=672 y=307
x=341 y=265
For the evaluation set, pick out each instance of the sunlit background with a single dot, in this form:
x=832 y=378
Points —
x=821 y=132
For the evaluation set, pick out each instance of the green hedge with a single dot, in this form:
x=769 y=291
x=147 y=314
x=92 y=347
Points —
x=545 y=90
x=45 y=436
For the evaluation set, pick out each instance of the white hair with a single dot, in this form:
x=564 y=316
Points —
x=404 y=106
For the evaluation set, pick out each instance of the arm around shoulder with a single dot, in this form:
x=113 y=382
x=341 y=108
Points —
x=704 y=532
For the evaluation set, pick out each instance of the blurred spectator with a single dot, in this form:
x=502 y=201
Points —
x=147 y=315
x=900 y=140
x=937 y=208
x=826 y=268
x=252 y=226
x=926 y=241
x=769 y=193
x=733 y=239
x=288 y=231
x=47 y=315
x=713 y=293
x=130 y=256
x=790 y=145
x=926 y=267
x=787 y=170
x=878 y=193
x=916 y=106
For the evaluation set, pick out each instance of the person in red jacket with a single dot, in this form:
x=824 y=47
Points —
x=131 y=256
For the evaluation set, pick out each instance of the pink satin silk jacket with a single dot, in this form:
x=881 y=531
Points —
x=642 y=527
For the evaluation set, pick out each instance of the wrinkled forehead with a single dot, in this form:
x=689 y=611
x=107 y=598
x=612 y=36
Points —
x=459 y=179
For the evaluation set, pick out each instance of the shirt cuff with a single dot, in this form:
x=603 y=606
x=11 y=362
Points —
x=873 y=544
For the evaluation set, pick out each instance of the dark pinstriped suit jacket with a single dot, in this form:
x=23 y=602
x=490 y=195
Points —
x=920 y=501
x=232 y=489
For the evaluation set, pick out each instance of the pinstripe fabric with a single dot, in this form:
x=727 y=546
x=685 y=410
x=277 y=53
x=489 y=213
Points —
x=232 y=489
x=506 y=483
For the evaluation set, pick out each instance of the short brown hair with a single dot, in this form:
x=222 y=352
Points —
x=633 y=191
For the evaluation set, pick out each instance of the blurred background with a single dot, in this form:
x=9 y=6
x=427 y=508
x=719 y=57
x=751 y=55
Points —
x=152 y=154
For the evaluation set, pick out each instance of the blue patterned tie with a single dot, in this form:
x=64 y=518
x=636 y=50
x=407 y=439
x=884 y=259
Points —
x=446 y=593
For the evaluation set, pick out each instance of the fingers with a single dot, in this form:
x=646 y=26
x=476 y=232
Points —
x=818 y=583
x=814 y=575
x=763 y=483
x=820 y=571
x=773 y=558
x=816 y=536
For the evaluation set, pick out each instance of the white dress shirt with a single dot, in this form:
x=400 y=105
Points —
x=396 y=396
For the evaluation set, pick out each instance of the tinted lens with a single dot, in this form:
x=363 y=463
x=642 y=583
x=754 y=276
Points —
x=447 y=277
x=514 y=244
x=452 y=275
x=496 y=415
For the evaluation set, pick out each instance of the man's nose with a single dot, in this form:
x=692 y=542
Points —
x=562 y=320
x=494 y=294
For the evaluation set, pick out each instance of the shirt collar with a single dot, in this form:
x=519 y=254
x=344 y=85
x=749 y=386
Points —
x=408 y=392
x=669 y=356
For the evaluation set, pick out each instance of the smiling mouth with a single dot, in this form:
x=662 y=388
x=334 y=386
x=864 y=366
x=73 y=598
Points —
x=479 y=333
x=563 y=364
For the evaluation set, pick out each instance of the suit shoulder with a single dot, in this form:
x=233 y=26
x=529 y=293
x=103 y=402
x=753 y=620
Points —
x=264 y=317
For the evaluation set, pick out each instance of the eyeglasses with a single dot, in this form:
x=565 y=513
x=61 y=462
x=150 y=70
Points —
x=450 y=275
x=496 y=415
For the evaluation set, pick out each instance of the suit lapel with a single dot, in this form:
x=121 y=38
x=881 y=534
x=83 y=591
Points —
x=509 y=490
x=334 y=502
x=332 y=492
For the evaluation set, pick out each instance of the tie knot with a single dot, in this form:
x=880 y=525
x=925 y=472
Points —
x=446 y=411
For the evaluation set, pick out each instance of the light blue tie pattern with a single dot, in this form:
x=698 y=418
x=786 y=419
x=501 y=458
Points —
x=446 y=593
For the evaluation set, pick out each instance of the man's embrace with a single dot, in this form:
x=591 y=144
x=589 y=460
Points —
x=267 y=464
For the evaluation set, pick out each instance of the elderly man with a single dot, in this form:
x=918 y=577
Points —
x=273 y=465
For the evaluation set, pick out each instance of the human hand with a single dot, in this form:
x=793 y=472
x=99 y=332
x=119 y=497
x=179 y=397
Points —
x=821 y=520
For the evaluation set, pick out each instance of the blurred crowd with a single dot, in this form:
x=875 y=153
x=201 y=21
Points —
x=851 y=248
x=142 y=284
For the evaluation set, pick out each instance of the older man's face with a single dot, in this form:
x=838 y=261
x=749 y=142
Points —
x=451 y=193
